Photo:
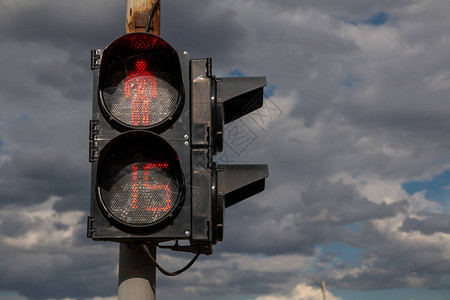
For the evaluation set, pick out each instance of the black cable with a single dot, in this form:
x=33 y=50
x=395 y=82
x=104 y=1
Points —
x=151 y=15
x=162 y=270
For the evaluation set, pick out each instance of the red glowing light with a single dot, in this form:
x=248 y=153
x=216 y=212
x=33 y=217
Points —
x=144 y=176
x=140 y=85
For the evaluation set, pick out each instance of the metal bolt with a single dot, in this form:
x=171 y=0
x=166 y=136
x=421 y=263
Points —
x=185 y=53
x=186 y=137
x=187 y=233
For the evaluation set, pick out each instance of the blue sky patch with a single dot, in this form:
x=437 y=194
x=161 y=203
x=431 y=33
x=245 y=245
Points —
x=269 y=90
x=23 y=118
x=345 y=252
x=350 y=81
x=8 y=294
x=354 y=226
x=236 y=73
x=379 y=19
x=437 y=189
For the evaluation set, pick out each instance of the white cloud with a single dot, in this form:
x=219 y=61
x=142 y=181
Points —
x=49 y=226
x=302 y=292
x=275 y=263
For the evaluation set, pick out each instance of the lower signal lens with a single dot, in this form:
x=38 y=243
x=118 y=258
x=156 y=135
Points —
x=139 y=186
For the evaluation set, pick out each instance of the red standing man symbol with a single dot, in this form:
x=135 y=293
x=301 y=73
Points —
x=140 y=87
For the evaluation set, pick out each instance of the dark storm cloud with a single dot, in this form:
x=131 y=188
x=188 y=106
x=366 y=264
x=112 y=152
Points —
x=413 y=266
x=214 y=281
x=431 y=224
x=206 y=29
x=59 y=274
x=58 y=179
x=46 y=255
x=344 y=205
x=47 y=55
x=351 y=110
x=320 y=215
x=411 y=106
x=44 y=142
x=70 y=77
x=353 y=10
x=46 y=44
x=62 y=23
x=14 y=225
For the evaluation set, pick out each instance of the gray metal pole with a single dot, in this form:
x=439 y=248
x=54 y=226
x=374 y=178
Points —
x=137 y=273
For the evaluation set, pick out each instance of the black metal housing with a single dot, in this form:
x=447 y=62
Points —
x=216 y=101
x=103 y=130
x=192 y=135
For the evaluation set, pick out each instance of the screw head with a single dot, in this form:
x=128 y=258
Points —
x=187 y=233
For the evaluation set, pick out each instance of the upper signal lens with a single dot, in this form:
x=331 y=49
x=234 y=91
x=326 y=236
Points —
x=140 y=81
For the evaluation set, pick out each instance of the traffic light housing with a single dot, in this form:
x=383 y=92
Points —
x=140 y=160
x=157 y=124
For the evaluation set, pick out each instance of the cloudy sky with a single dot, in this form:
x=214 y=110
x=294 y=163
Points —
x=355 y=130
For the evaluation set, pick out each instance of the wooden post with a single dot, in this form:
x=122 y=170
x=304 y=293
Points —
x=137 y=16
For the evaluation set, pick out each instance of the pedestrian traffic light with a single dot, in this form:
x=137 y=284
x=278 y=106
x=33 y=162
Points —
x=156 y=125
x=139 y=141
